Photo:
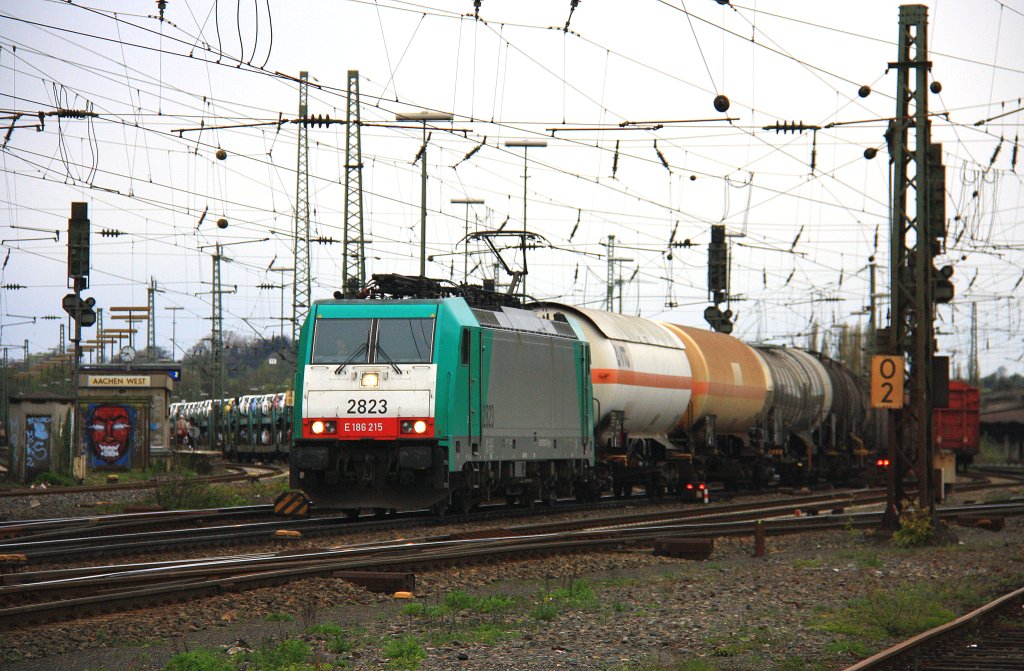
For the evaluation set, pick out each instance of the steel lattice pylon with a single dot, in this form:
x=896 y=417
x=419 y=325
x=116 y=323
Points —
x=912 y=249
x=301 y=286
x=151 y=322
x=216 y=348
x=354 y=267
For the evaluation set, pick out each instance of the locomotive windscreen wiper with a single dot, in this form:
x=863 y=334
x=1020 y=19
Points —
x=351 y=357
x=389 y=360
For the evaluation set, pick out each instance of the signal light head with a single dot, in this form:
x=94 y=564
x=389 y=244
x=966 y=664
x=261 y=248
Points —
x=317 y=427
x=882 y=463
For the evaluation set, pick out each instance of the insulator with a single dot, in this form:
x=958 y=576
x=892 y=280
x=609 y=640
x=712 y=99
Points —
x=221 y=154
x=935 y=87
x=870 y=153
x=864 y=91
x=721 y=103
x=222 y=223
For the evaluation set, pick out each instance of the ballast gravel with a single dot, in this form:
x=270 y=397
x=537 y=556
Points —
x=734 y=611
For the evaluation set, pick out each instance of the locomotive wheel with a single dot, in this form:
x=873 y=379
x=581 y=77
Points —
x=464 y=503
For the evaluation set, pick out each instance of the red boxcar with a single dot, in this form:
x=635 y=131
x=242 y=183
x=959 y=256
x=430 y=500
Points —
x=958 y=427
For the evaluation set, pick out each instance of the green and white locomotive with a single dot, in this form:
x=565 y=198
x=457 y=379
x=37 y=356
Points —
x=439 y=403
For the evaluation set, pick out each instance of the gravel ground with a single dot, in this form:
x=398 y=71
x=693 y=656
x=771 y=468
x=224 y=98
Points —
x=736 y=611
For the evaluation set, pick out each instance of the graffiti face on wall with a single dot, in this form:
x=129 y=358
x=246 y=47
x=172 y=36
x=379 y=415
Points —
x=108 y=430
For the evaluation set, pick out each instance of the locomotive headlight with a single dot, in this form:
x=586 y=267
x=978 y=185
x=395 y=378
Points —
x=317 y=427
x=369 y=380
x=419 y=426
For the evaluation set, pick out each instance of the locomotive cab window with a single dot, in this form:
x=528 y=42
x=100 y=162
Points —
x=388 y=341
x=404 y=340
x=341 y=341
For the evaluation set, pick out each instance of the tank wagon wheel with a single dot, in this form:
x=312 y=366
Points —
x=655 y=487
x=439 y=509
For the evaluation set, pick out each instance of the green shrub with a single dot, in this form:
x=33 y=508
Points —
x=915 y=529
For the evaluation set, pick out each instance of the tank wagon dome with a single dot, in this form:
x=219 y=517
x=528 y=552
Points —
x=638 y=367
x=730 y=381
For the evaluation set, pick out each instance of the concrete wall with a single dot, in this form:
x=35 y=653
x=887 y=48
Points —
x=39 y=437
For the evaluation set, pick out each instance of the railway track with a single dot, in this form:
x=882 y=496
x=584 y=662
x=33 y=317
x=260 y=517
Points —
x=238 y=473
x=43 y=596
x=990 y=638
x=75 y=539
x=67 y=540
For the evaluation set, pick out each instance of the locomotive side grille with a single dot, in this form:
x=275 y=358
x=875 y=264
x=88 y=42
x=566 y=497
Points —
x=511 y=319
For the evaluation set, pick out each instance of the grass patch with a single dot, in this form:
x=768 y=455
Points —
x=326 y=629
x=815 y=562
x=200 y=660
x=190 y=494
x=619 y=582
x=847 y=647
x=486 y=633
x=279 y=617
x=288 y=655
x=459 y=601
x=404 y=653
x=337 y=639
x=57 y=479
x=579 y=594
x=745 y=640
x=545 y=611
x=864 y=559
x=891 y=614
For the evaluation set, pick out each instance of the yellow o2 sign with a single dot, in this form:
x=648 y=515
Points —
x=887 y=382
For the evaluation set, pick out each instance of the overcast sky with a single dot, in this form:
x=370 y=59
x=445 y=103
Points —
x=805 y=211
